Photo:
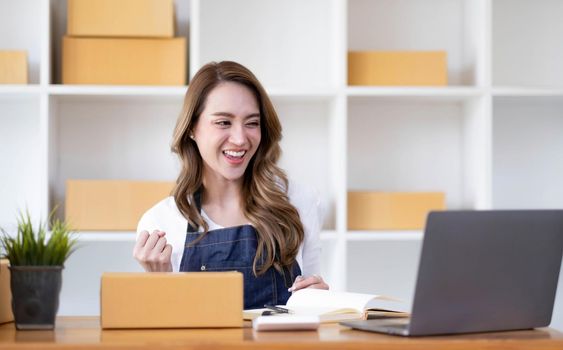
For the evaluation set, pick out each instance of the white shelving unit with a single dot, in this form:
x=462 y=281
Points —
x=492 y=138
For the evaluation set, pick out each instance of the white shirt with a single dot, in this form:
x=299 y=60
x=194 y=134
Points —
x=166 y=217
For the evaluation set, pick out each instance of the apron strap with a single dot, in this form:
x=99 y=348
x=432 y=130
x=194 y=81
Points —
x=286 y=271
x=197 y=199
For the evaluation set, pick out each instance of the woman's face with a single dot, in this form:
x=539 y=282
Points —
x=228 y=131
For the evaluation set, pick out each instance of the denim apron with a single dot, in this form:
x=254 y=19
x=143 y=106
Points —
x=233 y=249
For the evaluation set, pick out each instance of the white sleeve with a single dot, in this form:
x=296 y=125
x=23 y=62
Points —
x=312 y=221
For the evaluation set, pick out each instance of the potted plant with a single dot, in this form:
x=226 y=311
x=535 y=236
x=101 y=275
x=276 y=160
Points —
x=36 y=265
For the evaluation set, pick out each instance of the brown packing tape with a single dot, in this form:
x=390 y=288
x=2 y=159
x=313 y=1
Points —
x=6 y=314
x=171 y=300
x=397 y=68
x=392 y=210
x=111 y=204
x=124 y=61
x=13 y=67
x=123 y=18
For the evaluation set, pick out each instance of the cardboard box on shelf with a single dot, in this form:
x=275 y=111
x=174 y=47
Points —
x=397 y=68
x=13 y=67
x=124 y=61
x=6 y=314
x=171 y=300
x=392 y=210
x=115 y=205
x=123 y=18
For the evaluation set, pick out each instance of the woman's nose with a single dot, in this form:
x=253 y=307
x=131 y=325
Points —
x=237 y=135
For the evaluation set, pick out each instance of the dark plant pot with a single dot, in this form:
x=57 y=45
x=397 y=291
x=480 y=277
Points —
x=35 y=295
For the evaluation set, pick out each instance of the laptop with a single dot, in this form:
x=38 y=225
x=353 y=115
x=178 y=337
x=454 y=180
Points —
x=482 y=271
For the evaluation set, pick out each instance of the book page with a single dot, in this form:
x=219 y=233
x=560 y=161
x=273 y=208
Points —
x=321 y=299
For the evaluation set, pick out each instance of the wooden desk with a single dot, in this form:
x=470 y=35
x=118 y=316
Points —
x=85 y=333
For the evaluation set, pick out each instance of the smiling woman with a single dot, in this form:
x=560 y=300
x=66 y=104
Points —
x=233 y=207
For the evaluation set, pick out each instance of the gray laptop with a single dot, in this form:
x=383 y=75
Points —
x=482 y=271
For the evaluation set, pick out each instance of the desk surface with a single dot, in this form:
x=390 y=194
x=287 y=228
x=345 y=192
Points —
x=85 y=332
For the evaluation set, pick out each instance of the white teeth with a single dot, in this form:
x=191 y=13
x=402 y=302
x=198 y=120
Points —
x=235 y=154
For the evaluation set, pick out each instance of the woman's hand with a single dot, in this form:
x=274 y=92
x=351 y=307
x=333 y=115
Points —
x=314 y=281
x=152 y=252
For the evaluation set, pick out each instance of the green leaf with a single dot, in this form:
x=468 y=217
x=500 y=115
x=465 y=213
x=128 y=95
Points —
x=30 y=247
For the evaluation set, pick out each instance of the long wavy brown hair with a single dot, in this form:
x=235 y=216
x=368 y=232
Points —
x=264 y=191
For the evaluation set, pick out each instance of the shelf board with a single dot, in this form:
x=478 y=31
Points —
x=19 y=89
x=415 y=235
x=106 y=236
x=455 y=93
x=129 y=236
x=512 y=91
x=112 y=90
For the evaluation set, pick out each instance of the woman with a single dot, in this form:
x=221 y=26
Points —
x=231 y=208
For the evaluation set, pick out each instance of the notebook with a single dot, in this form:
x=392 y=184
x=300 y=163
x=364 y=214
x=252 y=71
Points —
x=482 y=271
x=332 y=306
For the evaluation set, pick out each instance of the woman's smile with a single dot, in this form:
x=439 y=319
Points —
x=234 y=157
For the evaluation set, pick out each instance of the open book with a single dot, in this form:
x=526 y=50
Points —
x=332 y=306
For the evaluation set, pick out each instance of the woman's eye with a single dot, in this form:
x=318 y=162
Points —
x=253 y=124
x=223 y=123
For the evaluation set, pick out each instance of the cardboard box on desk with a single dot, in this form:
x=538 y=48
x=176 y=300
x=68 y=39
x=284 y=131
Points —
x=172 y=300
x=397 y=68
x=391 y=210
x=111 y=204
x=13 y=67
x=124 y=61
x=6 y=314
x=123 y=18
